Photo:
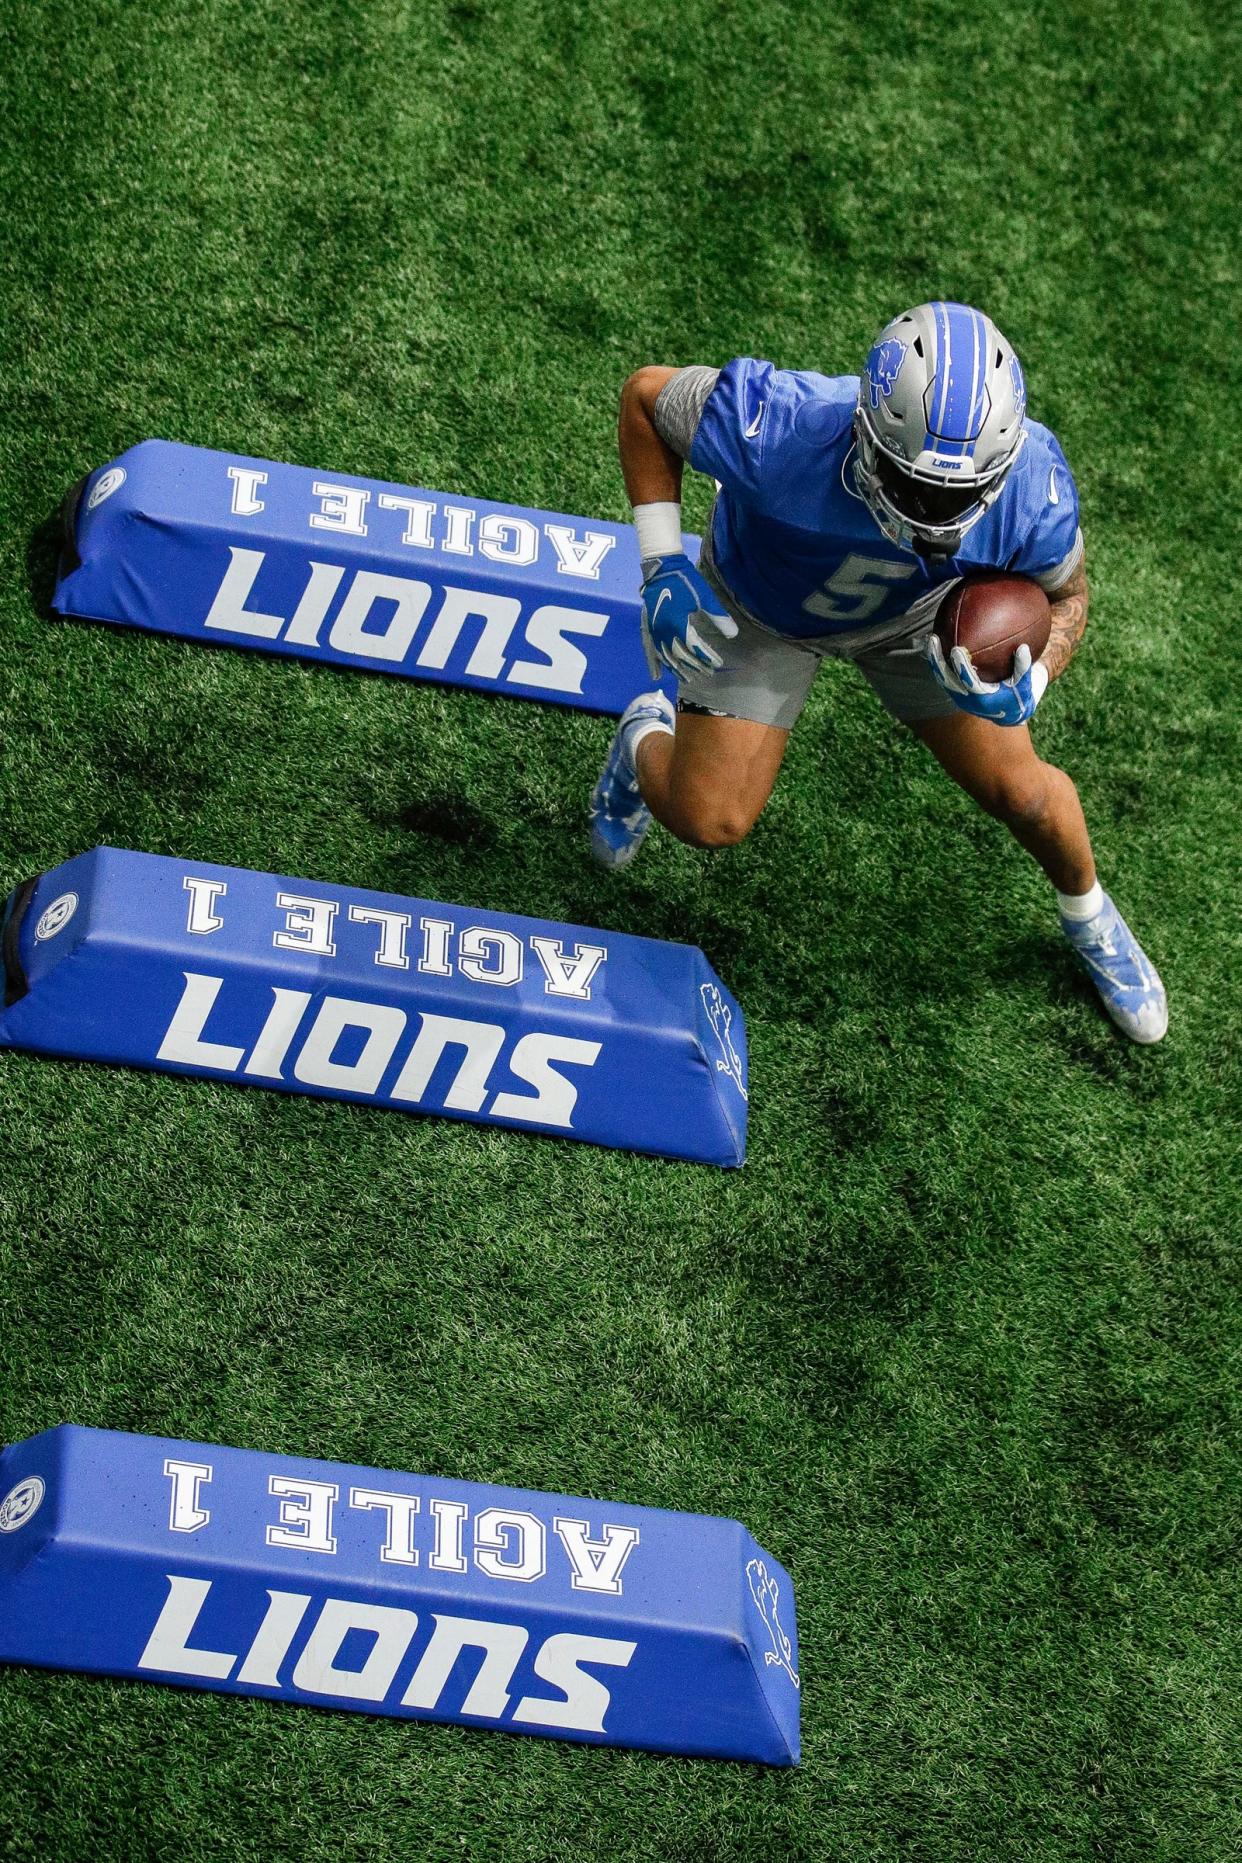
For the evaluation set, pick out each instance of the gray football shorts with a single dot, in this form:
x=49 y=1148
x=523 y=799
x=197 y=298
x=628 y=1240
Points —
x=766 y=676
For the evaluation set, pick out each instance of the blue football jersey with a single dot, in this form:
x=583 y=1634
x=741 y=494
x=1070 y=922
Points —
x=792 y=537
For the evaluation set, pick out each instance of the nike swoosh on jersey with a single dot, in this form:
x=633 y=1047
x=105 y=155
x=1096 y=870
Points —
x=752 y=431
x=1052 y=487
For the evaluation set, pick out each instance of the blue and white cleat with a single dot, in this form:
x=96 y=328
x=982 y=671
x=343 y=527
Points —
x=1121 y=971
x=619 y=816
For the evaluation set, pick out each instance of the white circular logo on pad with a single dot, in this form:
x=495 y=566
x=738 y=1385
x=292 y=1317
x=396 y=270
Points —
x=21 y=1503
x=57 y=916
x=111 y=481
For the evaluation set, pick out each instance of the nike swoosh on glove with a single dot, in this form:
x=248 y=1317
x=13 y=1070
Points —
x=677 y=603
x=1011 y=702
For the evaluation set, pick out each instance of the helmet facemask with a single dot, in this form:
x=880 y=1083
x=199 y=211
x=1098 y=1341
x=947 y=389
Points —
x=939 y=424
x=919 y=510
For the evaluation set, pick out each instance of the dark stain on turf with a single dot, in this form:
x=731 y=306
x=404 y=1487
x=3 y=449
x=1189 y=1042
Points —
x=451 y=819
x=44 y=548
x=465 y=20
x=153 y=763
x=1115 y=1442
x=849 y=1121
x=1102 y=1050
x=880 y=1276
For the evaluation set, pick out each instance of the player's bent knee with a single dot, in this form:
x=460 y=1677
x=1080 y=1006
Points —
x=1023 y=802
x=713 y=827
x=724 y=833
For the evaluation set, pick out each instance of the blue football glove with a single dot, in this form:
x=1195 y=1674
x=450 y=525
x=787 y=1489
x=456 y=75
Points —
x=1011 y=702
x=675 y=598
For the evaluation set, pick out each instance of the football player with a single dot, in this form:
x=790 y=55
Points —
x=845 y=509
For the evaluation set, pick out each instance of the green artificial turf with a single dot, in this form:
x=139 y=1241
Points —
x=960 y=1343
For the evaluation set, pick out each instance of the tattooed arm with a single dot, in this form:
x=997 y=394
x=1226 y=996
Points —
x=1069 y=623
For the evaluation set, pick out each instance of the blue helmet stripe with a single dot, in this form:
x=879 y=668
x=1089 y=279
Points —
x=965 y=444
x=955 y=423
x=976 y=378
x=941 y=313
x=979 y=397
x=961 y=384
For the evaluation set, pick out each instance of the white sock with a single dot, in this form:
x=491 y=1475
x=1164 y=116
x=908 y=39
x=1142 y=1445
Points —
x=1079 y=907
x=638 y=730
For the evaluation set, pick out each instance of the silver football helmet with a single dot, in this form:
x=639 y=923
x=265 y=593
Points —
x=939 y=423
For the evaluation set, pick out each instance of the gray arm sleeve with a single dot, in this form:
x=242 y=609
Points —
x=1050 y=579
x=679 y=406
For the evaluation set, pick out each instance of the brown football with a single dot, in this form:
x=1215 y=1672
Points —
x=992 y=614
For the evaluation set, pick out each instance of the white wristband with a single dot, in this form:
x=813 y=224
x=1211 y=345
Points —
x=659 y=530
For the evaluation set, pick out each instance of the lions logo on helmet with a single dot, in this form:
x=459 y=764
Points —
x=939 y=424
x=882 y=367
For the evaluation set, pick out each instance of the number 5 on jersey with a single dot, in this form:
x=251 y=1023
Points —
x=856 y=590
